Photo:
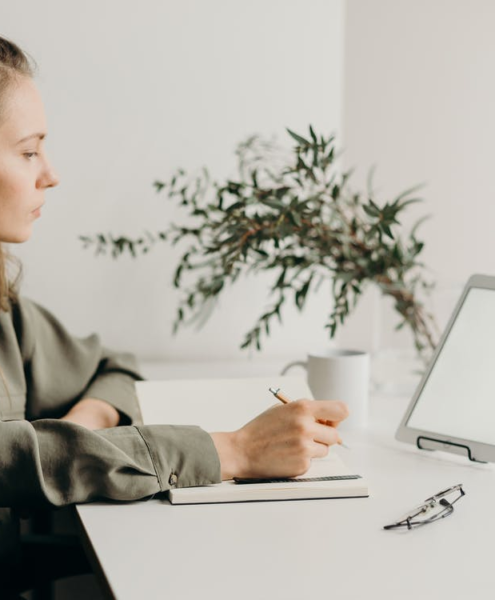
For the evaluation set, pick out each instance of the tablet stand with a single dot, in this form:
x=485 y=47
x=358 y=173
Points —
x=449 y=446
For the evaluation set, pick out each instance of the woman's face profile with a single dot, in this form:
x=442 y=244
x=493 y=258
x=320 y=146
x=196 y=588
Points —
x=25 y=172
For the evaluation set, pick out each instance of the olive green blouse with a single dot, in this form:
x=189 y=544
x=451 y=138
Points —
x=48 y=462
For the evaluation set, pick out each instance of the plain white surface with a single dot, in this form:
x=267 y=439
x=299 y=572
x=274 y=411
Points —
x=419 y=97
x=199 y=402
x=311 y=549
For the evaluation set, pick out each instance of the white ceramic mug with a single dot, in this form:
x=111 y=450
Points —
x=336 y=374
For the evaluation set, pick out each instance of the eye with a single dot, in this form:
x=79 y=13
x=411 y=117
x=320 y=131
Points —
x=30 y=155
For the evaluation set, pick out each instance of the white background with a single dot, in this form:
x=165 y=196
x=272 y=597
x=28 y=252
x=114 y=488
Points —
x=133 y=91
x=419 y=98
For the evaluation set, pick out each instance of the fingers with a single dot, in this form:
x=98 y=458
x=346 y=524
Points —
x=321 y=431
x=320 y=450
x=325 y=434
x=333 y=411
x=311 y=430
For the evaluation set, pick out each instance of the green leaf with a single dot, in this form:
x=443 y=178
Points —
x=369 y=180
x=418 y=224
x=261 y=252
x=298 y=138
x=371 y=211
x=402 y=205
x=267 y=327
x=313 y=135
x=177 y=275
x=333 y=328
x=254 y=178
x=235 y=206
x=408 y=192
x=387 y=231
x=281 y=280
x=373 y=205
x=418 y=247
x=273 y=203
x=295 y=218
x=301 y=294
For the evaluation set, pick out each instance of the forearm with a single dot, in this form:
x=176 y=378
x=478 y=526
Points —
x=93 y=414
x=49 y=461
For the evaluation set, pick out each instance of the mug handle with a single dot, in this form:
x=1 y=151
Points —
x=296 y=363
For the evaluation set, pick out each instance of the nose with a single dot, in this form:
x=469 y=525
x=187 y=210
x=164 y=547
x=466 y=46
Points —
x=48 y=177
x=52 y=178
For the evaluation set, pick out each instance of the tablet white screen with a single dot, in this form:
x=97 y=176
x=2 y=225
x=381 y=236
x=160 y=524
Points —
x=458 y=398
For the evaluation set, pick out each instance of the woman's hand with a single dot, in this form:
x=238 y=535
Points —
x=281 y=441
x=93 y=414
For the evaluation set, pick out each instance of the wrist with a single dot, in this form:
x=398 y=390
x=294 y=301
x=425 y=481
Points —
x=230 y=454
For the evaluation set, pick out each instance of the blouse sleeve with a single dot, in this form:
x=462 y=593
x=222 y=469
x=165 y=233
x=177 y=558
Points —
x=53 y=462
x=61 y=369
x=46 y=461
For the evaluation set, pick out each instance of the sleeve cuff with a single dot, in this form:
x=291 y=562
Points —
x=183 y=455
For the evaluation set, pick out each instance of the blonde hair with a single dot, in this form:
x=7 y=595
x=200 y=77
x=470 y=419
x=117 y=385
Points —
x=14 y=63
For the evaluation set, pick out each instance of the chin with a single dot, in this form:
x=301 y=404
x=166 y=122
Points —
x=18 y=238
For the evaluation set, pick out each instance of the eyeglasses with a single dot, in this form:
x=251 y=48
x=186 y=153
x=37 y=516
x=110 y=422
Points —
x=437 y=507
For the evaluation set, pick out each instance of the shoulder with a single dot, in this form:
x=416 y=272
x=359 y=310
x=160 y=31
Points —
x=33 y=323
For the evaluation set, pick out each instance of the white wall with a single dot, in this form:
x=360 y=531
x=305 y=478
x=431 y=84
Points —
x=419 y=103
x=133 y=93
x=134 y=90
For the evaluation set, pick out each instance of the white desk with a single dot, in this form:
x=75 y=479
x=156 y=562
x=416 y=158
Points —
x=311 y=549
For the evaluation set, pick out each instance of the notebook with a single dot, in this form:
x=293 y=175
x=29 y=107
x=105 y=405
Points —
x=226 y=405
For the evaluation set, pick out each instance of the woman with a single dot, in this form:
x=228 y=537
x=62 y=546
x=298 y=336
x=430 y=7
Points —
x=58 y=390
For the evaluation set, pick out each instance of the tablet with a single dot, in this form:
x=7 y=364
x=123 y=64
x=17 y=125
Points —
x=453 y=408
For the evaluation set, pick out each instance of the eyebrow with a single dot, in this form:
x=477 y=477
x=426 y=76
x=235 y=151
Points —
x=41 y=136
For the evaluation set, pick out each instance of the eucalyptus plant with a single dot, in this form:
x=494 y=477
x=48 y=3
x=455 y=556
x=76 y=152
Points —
x=294 y=215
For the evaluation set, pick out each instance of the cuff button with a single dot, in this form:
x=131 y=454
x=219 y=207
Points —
x=173 y=479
